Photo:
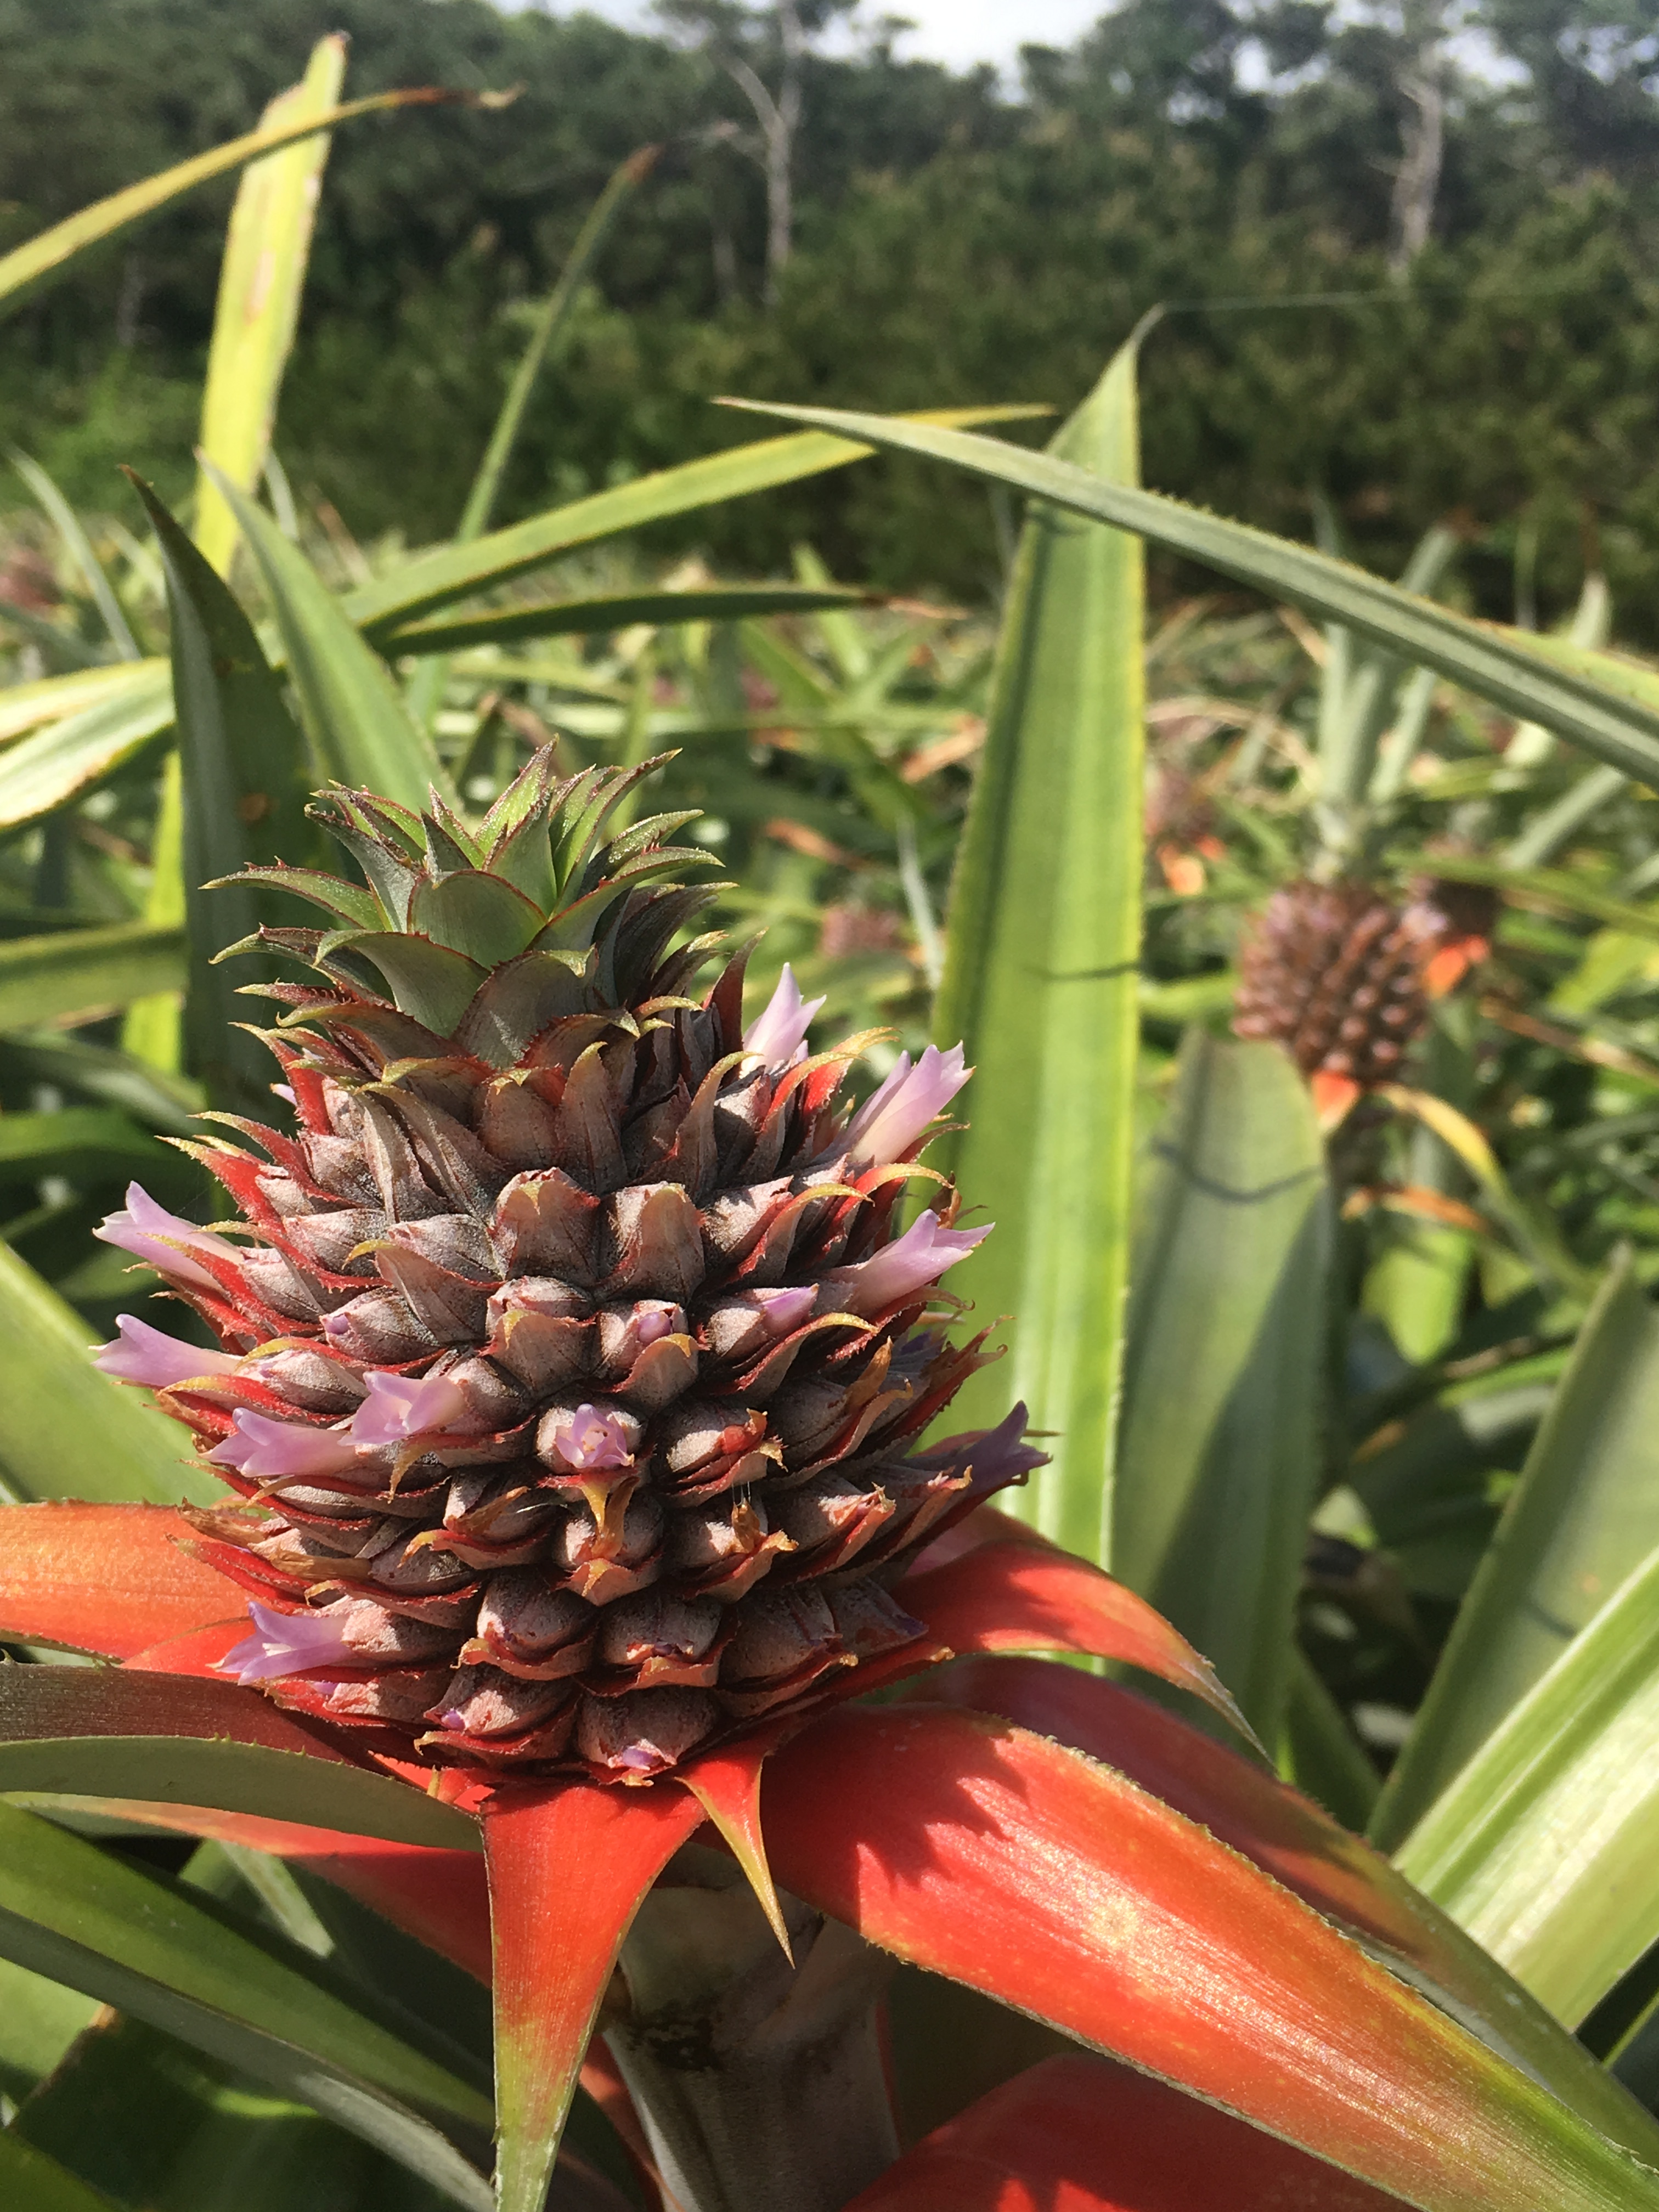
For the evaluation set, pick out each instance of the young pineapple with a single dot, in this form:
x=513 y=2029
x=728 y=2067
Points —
x=1335 y=973
x=570 y=1356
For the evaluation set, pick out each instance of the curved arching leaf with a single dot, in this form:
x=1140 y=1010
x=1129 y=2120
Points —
x=1299 y=1845
x=1057 y=1886
x=103 y=1732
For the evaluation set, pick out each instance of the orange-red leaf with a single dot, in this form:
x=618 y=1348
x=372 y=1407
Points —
x=1024 y=1869
x=1300 y=1846
x=104 y=1578
x=1080 y=2134
x=1017 y=1593
x=569 y=1865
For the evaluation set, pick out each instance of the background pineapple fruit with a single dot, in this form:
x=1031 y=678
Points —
x=1335 y=973
x=569 y=1358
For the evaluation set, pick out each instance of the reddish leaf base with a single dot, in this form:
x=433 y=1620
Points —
x=1079 y=2134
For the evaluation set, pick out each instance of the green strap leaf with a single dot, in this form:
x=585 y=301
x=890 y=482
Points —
x=267 y=246
x=66 y=756
x=101 y=1732
x=244 y=789
x=354 y=717
x=27 y=266
x=1218 y=1452
x=1545 y=1846
x=165 y=1954
x=74 y=974
x=1586 y=1506
x=69 y=1432
x=610 y=612
x=456 y=572
x=1040 y=981
x=1486 y=659
x=53 y=698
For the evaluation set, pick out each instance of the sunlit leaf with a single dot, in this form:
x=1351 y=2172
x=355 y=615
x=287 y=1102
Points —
x=1545 y=1846
x=267 y=245
x=69 y=755
x=69 y=1432
x=1586 y=1506
x=1040 y=981
x=29 y=265
x=1488 y=661
x=1054 y=1884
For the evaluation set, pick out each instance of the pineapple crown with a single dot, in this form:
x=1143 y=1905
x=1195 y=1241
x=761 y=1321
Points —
x=482 y=935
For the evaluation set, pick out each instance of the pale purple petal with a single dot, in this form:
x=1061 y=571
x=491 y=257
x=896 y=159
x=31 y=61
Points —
x=588 y=1439
x=399 y=1406
x=899 y=1270
x=893 y=1118
x=997 y=1456
x=288 y=1644
x=142 y=1354
x=271 y=1451
x=153 y=1234
x=784 y=1309
x=779 y=1033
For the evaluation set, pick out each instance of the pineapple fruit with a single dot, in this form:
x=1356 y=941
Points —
x=570 y=1361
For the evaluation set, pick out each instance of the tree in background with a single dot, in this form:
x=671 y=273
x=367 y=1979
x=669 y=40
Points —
x=914 y=236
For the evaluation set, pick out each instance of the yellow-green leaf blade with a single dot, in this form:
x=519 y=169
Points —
x=1545 y=1846
x=69 y=1432
x=448 y=572
x=1586 y=1506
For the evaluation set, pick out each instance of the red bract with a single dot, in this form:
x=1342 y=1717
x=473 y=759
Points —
x=1001 y=1858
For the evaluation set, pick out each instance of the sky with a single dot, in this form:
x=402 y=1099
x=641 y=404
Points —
x=959 y=32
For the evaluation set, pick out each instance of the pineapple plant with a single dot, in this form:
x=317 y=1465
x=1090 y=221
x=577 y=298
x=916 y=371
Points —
x=571 y=1361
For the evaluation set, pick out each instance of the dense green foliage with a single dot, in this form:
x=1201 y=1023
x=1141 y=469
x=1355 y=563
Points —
x=951 y=245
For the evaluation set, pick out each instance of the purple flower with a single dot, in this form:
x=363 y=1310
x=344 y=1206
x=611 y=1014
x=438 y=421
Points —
x=891 y=1119
x=162 y=1240
x=588 y=1439
x=288 y=1644
x=140 y=1353
x=996 y=1456
x=399 y=1406
x=778 y=1035
x=920 y=1257
x=783 y=1311
x=272 y=1450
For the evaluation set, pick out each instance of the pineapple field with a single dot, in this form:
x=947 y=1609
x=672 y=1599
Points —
x=817 y=1399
